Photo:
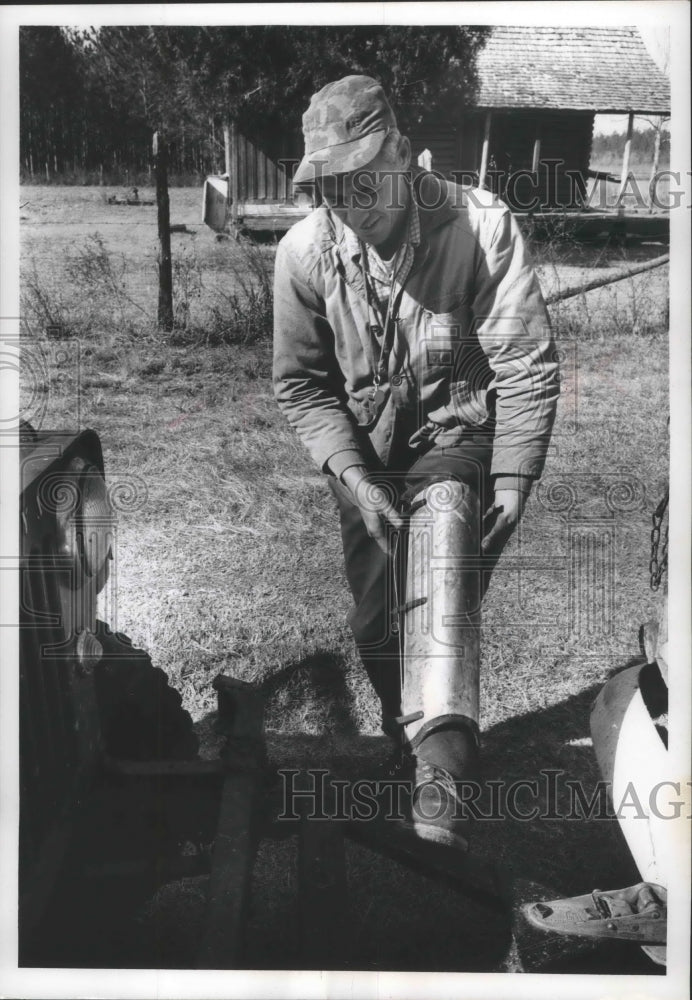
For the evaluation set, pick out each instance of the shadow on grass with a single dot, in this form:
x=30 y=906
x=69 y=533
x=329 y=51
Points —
x=314 y=687
x=396 y=918
x=547 y=834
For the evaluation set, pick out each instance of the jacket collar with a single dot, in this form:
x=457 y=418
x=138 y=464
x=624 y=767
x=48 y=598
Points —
x=435 y=208
x=432 y=196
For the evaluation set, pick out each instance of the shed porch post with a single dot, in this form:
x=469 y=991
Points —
x=626 y=157
x=536 y=154
x=486 y=146
x=657 y=156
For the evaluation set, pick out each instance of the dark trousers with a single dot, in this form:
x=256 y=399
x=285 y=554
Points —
x=377 y=580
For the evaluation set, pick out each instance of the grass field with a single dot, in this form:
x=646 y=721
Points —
x=230 y=559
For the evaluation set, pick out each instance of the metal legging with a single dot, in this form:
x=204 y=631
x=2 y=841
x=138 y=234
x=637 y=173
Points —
x=441 y=612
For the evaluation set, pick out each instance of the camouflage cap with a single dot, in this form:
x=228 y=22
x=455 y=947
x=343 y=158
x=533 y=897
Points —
x=344 y=127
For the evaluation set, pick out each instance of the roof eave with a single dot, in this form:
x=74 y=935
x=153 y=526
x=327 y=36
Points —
x=586 y=110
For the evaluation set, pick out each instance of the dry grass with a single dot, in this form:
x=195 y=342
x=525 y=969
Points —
x=232 y=562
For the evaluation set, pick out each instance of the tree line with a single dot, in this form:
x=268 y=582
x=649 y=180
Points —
x=610 y=147
x=90 y=100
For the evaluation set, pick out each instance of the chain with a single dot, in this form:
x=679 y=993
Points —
x=658 y=563
x=396 y=567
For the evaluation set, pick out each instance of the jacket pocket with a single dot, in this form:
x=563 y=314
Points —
x=437 y=353
x=444 y=331
x=457 y=372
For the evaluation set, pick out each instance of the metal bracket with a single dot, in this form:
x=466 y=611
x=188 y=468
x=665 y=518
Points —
x=637 y=913
x=403 y=609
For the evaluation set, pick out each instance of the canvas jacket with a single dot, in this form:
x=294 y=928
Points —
x=472 y=348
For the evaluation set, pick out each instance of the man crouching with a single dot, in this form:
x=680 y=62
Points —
x=413 y=356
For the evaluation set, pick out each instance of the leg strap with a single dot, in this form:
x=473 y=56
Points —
x=462 y=722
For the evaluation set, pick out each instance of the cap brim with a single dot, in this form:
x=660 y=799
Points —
x=341 y=159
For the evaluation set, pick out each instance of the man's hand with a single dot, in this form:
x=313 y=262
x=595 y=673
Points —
x=501 y=519
x=379 y=514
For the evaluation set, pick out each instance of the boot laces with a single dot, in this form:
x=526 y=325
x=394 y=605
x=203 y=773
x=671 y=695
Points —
x=432 y=774
x=422 y=772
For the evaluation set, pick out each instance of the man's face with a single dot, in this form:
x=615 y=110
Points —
x=372 y=201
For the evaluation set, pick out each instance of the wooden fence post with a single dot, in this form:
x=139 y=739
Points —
x=165 y=310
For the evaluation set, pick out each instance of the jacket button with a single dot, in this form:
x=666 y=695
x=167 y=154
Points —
x=397 y=380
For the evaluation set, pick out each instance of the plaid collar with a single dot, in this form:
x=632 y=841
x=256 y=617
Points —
x=383 y=274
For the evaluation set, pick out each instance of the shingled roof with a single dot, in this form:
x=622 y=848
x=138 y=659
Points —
x=606 y=70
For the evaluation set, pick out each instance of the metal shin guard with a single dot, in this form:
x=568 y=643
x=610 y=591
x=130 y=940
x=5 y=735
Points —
x=441 y=612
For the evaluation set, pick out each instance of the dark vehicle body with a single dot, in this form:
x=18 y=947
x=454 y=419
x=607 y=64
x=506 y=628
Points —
x=114 y=801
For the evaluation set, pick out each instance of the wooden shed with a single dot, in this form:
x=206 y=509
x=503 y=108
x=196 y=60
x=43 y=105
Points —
x=539 y=90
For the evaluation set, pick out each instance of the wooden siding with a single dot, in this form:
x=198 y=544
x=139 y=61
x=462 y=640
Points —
x=564 y=136
x=443 y=142
x=265 y=168
x=542 y=82
x=565 y=150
